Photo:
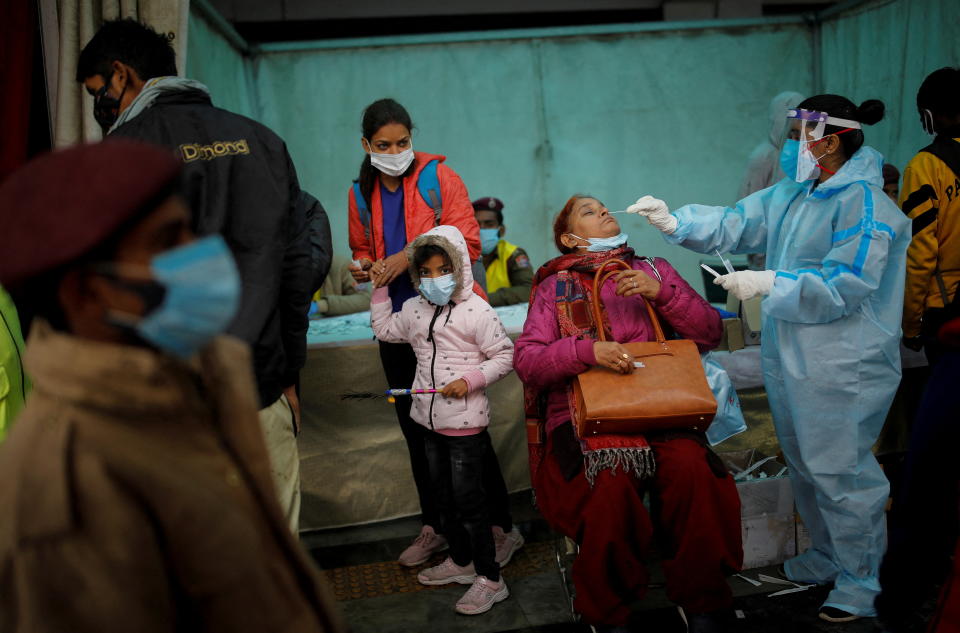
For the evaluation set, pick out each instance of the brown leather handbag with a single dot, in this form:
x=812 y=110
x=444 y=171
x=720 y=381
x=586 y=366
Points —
x=667 y=391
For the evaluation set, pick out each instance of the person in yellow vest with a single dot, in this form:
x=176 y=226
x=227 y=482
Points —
x=509 y=274
x=14 y=384
x=930 y=196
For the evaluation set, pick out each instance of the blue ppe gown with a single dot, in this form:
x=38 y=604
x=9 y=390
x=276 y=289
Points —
x=830 y=352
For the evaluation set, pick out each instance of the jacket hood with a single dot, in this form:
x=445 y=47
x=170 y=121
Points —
x=866 y=165
x=777 y=113
x=450 y=239
x=157 y=88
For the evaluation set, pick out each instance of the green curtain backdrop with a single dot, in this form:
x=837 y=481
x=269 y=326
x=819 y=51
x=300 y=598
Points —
x=533 y=117
x=884 y=50
x=225 y=71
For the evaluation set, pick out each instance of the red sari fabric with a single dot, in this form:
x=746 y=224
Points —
x=697 y=513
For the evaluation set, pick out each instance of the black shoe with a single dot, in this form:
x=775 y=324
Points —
x=833 y=614
x=715 y=622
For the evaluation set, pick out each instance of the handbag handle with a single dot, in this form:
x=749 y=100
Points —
x=599 y=279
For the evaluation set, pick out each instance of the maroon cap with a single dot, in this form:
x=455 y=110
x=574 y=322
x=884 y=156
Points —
x=890 y=174
x=60 y=206
x=487 y=204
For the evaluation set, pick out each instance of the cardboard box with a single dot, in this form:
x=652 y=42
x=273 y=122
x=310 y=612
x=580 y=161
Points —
x=732 y=336
x=767 y=516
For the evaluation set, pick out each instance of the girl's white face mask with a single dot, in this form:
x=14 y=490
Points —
x=392 y=164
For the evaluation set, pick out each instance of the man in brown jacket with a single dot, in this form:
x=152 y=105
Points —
x=136 y=487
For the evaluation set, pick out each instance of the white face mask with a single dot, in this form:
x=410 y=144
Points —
x=392 y=164
x=808 y=167
x=926 y=118
x=601 y=244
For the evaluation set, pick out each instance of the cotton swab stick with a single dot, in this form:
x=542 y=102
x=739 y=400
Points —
x=726 y=262
x=389 y=394
x=711 y=271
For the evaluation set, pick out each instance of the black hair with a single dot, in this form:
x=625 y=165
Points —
x=375 y=116
x=125 y=40
x=940 y=92
x=425 y=251
x=869 y=112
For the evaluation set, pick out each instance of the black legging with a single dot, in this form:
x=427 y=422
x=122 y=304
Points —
x=923 y=522
x=400 y=367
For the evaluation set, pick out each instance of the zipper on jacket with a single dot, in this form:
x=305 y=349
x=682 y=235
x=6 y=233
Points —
x=433 y=362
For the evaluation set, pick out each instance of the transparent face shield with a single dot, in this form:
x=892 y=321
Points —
x=807 y=128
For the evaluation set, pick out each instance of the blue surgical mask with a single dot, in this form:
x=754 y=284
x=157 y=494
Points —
x=798 y=162
x=489 y=238
x=600 y=244
x=789 y=155
x=197 y=291
x=438 y=290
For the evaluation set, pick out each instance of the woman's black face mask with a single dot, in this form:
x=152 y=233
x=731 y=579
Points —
x=106 y=109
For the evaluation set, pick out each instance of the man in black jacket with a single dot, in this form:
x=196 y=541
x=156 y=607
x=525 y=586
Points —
x=240 y=183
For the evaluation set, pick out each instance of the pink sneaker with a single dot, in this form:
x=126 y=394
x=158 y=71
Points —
x=446 y=573
x=506 y=544
x=482 y=595
x=424 y=546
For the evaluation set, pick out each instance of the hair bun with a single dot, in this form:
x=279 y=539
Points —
x=870 y=111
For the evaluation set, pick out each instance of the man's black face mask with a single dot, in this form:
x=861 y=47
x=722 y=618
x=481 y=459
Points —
x=106 y=109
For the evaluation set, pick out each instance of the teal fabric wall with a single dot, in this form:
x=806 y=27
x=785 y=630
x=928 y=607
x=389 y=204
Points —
x=884 y=50
x=214 y=61
x=532 y=120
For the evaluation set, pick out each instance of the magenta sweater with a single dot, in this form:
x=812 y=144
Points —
x=545 y=360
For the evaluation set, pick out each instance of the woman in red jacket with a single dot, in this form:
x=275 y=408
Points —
x=391 y=213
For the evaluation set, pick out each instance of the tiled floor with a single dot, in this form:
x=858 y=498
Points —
x=379 y=596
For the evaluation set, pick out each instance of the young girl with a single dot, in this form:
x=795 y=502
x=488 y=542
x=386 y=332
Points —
x=461 y=347
x=396 y=213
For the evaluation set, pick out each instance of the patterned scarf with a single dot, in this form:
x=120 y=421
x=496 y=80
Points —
x=574 y=292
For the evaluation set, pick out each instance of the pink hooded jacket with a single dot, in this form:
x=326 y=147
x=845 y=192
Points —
x=468 y=342
x=546 y=361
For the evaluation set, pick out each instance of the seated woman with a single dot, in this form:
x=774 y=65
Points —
x=601 y=507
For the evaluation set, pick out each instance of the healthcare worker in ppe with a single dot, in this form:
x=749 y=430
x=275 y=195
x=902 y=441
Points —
x=836 y=251
x=763 y=166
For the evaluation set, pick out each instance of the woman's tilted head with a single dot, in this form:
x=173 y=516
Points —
x=582 y=218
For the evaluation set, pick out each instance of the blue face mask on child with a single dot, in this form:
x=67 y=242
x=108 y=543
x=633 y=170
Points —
x=600 y=244
x=193 y=296
x=489 y=238
x=438 y=290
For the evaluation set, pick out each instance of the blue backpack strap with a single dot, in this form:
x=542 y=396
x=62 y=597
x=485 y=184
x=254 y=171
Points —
x=428 y=184
x=362 y=209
